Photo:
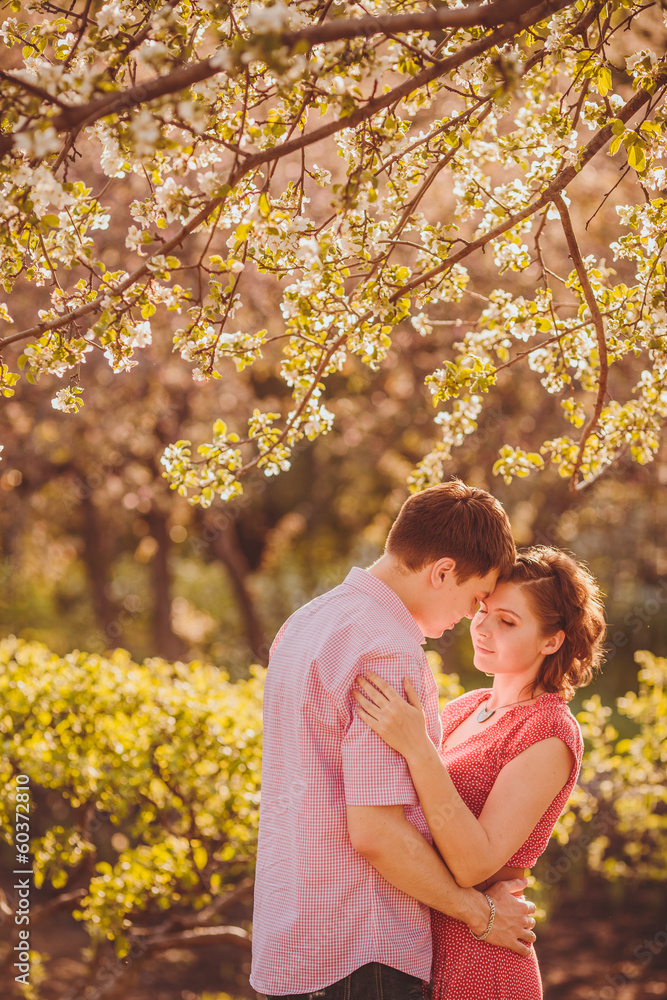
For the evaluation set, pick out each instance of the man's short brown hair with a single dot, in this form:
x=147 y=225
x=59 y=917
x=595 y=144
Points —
x=456 y=521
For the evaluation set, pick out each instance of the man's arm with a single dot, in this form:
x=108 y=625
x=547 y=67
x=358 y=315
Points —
x=396 y=849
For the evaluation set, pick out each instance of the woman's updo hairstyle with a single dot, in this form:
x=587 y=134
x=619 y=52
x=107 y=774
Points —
x=563 y=595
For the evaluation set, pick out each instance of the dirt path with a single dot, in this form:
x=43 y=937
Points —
x=591 y=949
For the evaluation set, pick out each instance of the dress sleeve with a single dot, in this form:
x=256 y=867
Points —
x=555 y=721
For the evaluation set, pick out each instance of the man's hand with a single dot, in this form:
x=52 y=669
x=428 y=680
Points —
x=514 y=921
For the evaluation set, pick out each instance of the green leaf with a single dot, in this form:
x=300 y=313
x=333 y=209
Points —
x=653 y=128
x=615 y=143
x=603 y=80
x=637 y=157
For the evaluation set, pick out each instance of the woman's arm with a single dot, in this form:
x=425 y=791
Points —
x=473 y=849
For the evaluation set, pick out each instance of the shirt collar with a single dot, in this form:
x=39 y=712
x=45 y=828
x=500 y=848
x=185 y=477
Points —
x=361 y=579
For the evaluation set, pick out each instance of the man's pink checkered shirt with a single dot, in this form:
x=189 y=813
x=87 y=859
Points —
x=321 y=910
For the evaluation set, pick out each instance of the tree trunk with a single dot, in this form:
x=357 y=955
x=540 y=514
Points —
x=220 y=534
x=96 y=559
x=165 y=641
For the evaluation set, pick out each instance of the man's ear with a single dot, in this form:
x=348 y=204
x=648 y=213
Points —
x=440 y=569
x=553 y=643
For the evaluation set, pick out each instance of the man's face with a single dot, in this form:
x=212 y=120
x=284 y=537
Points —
x=450 y=601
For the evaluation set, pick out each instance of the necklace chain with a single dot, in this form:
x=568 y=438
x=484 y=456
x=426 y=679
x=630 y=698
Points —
x=485 y=714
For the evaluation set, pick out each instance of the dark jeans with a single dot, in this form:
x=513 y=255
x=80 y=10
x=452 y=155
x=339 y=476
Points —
x=371 y=982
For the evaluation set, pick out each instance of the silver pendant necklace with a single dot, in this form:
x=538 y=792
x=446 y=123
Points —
x=484 y=713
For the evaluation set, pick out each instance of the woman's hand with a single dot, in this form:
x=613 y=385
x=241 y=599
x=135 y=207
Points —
x=400 y=724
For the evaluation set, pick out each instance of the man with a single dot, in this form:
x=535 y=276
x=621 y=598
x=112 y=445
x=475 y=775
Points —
x=345 y=869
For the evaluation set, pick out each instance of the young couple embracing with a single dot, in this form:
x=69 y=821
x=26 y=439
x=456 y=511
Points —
x=394 y=840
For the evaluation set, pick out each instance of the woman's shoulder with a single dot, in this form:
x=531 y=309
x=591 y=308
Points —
x=550 y=715
x=554 y=706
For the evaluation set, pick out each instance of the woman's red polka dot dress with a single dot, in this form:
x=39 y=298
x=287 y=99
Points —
x=463 y=968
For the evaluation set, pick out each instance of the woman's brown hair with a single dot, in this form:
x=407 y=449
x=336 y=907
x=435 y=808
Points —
x=452 y=519
x=564 y=595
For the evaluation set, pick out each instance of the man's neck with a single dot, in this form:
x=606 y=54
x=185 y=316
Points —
x=400 y=580
x=386 y=569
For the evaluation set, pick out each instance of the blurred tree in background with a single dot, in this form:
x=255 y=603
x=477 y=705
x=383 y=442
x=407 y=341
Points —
x=382 y=200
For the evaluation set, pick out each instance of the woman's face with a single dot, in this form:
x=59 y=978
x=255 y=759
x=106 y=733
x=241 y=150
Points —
x=507 y=636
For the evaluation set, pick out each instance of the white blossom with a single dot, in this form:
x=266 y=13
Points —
x=145 y=133
x=222 y=60
x=261 y=18
x=134 y=239
x=112 y=161
x=421 y=324
x=111 y=15
x=171 y=199
x=67 y=400
x=153 y=53
x=139 y=335
x=119 y=362
x=38 y=142
x=632 y=61
x=193 y=114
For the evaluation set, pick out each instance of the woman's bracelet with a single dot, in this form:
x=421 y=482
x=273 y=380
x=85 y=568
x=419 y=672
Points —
x=484 y=936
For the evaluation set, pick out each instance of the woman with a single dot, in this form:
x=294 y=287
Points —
x=509 y=757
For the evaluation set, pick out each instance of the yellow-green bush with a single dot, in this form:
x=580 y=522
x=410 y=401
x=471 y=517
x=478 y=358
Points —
x=158 y=767
x=618 y=814
x=615 y=824
x=167 y=755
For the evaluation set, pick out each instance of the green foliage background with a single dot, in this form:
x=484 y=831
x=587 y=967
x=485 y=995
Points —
x=146 y=780
x=155 y=769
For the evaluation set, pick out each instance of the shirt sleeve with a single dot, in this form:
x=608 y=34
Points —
x=373 y=773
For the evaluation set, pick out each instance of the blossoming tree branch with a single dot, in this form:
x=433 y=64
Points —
x=464 y=133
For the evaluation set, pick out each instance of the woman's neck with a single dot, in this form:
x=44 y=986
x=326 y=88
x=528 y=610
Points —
x=508 y=690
